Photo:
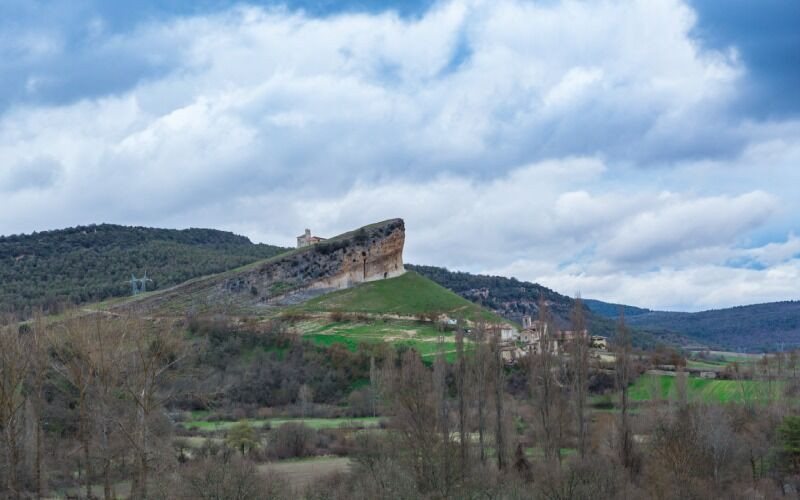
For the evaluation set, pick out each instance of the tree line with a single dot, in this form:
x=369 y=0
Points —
x=89 y=403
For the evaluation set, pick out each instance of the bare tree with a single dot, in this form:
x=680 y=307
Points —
x=38 y=354
x=14 y=365
x=305 y=396
x=109 y=338
x=716 y=437
x=623 y=378
x=74 y=348
x=461 y=375
x=481 y=375
x=499 y=381
x=682 y=389
x=152 y=355
x=374 y=386
x=443 y=421
x=408 y=390
x=580 y=374
x=543 y=368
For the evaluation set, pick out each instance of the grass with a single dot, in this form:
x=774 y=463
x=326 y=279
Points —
x=407 y=295
x=705 y=364
x=705 y=390
x=315 y=423
x=303 y=472
x=422 y=336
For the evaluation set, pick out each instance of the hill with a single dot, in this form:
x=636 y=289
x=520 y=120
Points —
x=755 y=328
x=410 y=295
x=511 y=299
x=399 y=310
x=264 y=287
x=91 y=263
x=611 y=310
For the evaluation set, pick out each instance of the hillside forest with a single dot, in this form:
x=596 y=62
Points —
x=52 y=269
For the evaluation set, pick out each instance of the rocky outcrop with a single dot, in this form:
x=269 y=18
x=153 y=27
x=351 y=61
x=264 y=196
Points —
x=370 y=253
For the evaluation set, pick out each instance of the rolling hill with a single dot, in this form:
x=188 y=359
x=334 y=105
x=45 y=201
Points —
x=511 y=299
x=754 y=328
x=409 y=295
x=94 y=263
x=265 y=287
x=91 y=263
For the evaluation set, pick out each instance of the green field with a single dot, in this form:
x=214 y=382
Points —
x=422 y=336
x=705 y=364
x=315 y=423
x=406 y=295
x=705 y=390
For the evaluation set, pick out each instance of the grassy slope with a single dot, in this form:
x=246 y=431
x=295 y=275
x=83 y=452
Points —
x=422 y=336
x=705 y=390
x=409 y=295
x=406 y=295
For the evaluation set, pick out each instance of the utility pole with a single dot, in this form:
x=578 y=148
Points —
x=139 y=285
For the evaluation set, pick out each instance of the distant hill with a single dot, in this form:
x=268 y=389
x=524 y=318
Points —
x=755 y=328
x=511 y=299
x=94 y=263
x=610 y=310
x=91 y=263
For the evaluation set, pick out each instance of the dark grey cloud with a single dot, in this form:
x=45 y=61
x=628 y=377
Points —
x=766 y=33
x=36 y=173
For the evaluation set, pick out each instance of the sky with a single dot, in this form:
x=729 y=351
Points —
x=644 y=152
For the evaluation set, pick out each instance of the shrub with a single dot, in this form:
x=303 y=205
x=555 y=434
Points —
x=225 y=476
x=242 y=437
x=292 y=440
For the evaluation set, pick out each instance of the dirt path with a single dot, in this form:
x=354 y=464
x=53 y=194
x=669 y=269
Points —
x=301 y=473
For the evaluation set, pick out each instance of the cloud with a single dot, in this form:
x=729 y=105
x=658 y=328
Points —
x=569 y=142
x=34 y=173
x=675 y=225
x=689 y=289
x=767 y=38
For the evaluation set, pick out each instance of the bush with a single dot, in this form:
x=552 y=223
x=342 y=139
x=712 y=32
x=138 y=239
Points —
x=225 y=476
x=361 y=402
x=292 y=440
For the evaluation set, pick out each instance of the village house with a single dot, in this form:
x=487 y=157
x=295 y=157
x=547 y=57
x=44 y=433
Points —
x=306 y=239
x=511 y=353
x=536 y=337
x=532 y=331
x=598 y=342
x=505 y=332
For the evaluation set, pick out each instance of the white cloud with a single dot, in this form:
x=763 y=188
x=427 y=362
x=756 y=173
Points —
x=674 y=225
x=548 y=140
x=688 y=289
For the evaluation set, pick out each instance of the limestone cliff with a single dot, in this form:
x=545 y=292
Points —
x=370 y=253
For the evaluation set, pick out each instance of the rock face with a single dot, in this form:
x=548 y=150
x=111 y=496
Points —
x=370 y=253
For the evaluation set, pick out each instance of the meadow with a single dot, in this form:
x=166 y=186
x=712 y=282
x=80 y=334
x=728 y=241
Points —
x=651 y=387
x=420 y=335
x=314 y=423
x=407 y=295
